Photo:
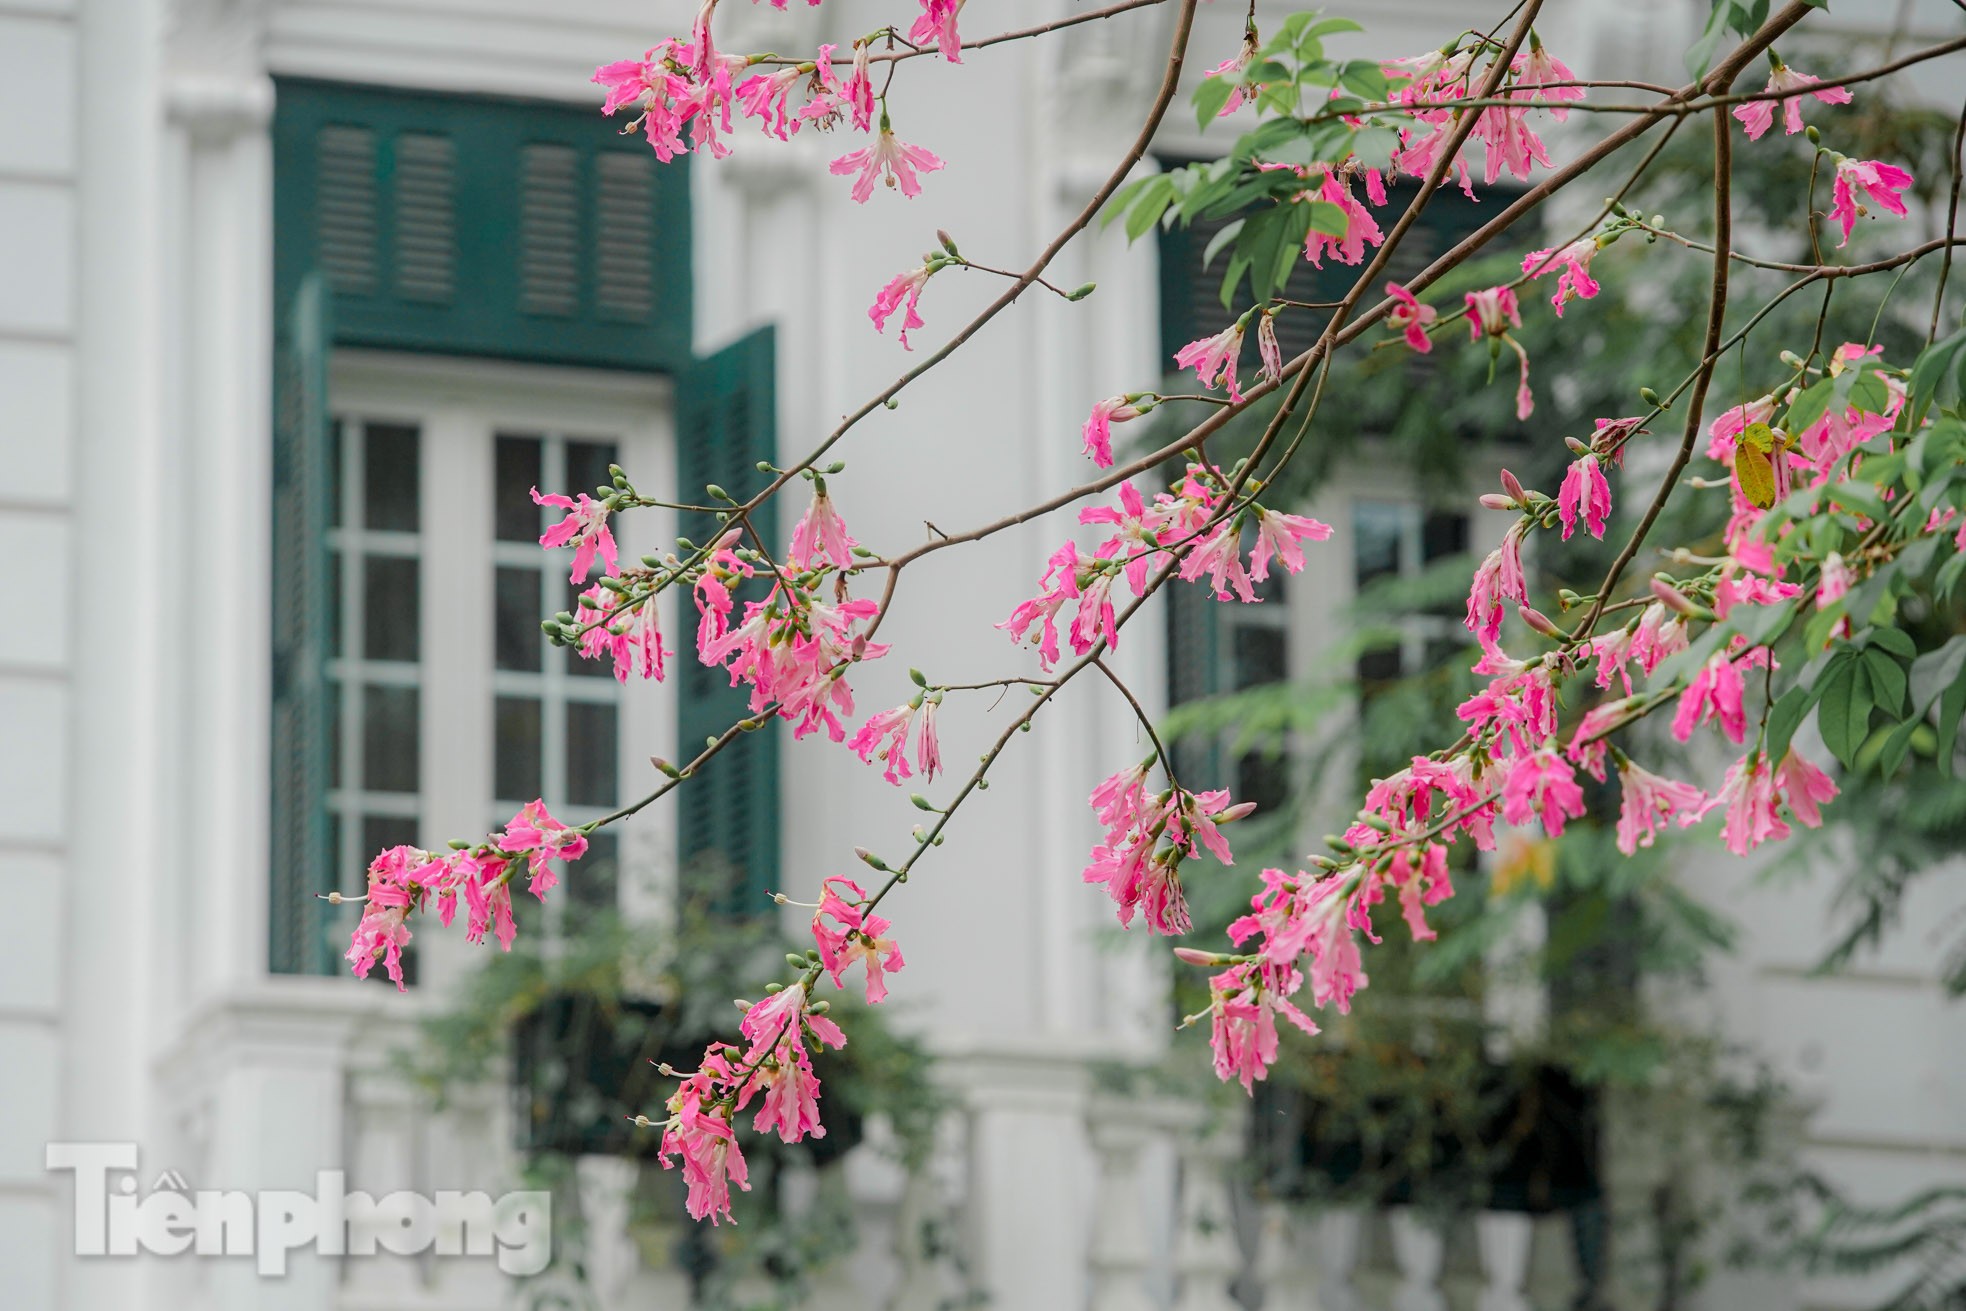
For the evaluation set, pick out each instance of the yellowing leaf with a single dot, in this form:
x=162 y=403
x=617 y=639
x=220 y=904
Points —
x=1754 y=471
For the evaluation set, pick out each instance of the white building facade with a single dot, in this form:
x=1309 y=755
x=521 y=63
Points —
x=146 y=996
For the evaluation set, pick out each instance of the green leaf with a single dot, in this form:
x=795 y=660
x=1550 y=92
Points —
x=1147 y=209
x=1895 y=640
x=1223 y=236
x=1887 y=680
x=1809 y=406
x=1364 y=78
x=1210 y=96
x=1892 y=753
x=1951 y=708
x=1328 y=26
x=1700 y=57
x=1833 y=701
x=1327 y=218
x=1785 y=716
x=1935 y=671
x=1930 y=370
x=1869 y=394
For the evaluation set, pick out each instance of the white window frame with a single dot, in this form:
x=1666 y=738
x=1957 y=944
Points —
x=460 y=407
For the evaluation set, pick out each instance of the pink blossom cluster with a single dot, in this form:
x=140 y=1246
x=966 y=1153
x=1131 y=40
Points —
x=403 y=879
x=1148 y=835
x=774 y=1063
x=689 y=85
x=1429 y=84
x=1188 y=524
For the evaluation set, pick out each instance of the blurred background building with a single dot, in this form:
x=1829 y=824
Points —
x=302 y=296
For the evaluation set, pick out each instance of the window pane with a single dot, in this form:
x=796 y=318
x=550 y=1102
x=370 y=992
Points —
x=517 y=474
x=517 y=642
x=334 y=472
x=390 y=483
x=1259 y=656
x=1381 y=666
x=577 y=664
x=593 y=880
x=515 y=754
x=335 y=566
x=333 y=693
x=1264 y=780
x=1444 y=534
x=389 y=608
x=1376 y=530
x=591 y=753
x=389 y=739
x=587 y=466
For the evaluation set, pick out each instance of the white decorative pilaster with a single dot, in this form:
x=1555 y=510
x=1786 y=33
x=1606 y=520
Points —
x=1206 y=1258
x=1286 y=1261
x=1121 y=1253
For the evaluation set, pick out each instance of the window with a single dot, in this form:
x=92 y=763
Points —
x=478 y=229
x=437 y=588
x=1400 y=539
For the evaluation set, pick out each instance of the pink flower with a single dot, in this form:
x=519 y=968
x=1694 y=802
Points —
x=763 y=97
x=1724 y=431
x=1267 y=348
x=1572 y=265
x=1585 y=492
x=1242 y=1010
x=1214 y=359
x=891 y=156
x=1499 y=579
x=1059 y=585
x=1098 y=432
x=937 y=26
x=860 y=89
x=1804 y=787
x=1749 y=800
x=1410 y=318
x=542 y=839
x=398 y=883
x=1542 y=786
x=1716 y=693
x=586 y=526
x=893 y=727
x=1278 y=535
x=1361 y=230
x=1535 y=69
x=821 y=537
x=904 y=292
x=856 y=935
x=1492 y=312
x=1649 y=801
x=1219 y=555
x=1757 y=116
x=699 y=1129
x=624 y=629
x=1882 y=181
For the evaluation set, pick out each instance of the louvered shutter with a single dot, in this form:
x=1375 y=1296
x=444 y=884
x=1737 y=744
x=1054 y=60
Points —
x=301 y=846
x=482 y=227
x=727 y=832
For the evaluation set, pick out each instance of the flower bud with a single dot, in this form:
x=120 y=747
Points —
x=921 y=802
x=870 y=858
x=1080 y=293
x=1241 y=810
x=918 y=678
x=795 y=960
x=1537 y=620
x=1193 y=956
x=948 y=243
x=1576 y=447
x=1496 y=501
x=1674 y=599
x=772 y=989
x=1650 y=397
x=1513 y=488
x=717 y=493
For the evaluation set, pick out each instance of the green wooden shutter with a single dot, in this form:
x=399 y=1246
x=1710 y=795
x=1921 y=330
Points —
x=482 y=227
x=301 y=847
x=727 y=833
